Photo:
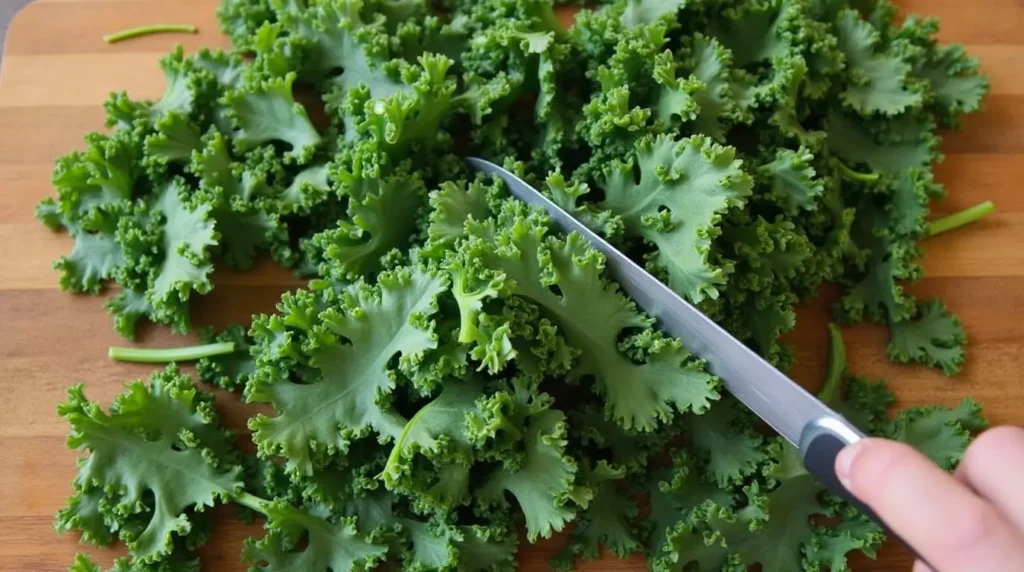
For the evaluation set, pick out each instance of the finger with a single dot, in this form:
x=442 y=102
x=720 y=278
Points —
x=922 y=567
x=993 y=465
x=950 y=527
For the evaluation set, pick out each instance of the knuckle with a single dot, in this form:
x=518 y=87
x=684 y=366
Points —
x=972 y=527
x=877 y=465
x=996 y=442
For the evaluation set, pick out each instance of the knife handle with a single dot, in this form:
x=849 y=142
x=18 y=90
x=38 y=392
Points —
x=820 y=444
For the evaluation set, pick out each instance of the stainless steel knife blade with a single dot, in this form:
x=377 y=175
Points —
x=805 y=421
x=780 y=401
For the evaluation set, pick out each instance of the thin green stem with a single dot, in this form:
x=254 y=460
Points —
x=849 y=173
x=148 y=31
x=830 y=392
x=146 y=355
x=961 y=218
x=251 y=501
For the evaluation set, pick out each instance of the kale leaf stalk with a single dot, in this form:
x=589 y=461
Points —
x=848 y=173
x=962 y=218
x=171 y=355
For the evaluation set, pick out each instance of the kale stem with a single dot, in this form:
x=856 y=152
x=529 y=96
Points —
x=849 y=173
x=961 y=218
x=830 y=392
x=146 y=355
x=251 y=501
x=149 y=30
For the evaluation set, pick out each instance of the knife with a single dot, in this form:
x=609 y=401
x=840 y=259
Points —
x=801 y=418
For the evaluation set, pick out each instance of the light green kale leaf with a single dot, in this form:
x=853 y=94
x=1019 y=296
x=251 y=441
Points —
x=566 y=278
x=235 y=192
x=852 y=141
x=451 y=206
x=309 y=187
x=436 y=432
x=158 y=454
x=879 y=80
x=350 y=348
x=101 y=177
x=912 y=193
x=266 y=111
x=487 y=549
x=683 y=191
x=716 y=537
x=544 y=484
x=954 y=84
x=725 y=437
x=642 y=12
x=940 y=433
x=933 y=336
x=677 y=98
x=793 y=180
x=174 y=141
x=567 y=195
x=344 y=51
x=327 y=543
x=382 y=216
x=85 y=513
x=609 y=520
x=877 y=292
x=230 y=371
x=95 y=258
x=189 y=90
x=725 y=98
x=169 y=245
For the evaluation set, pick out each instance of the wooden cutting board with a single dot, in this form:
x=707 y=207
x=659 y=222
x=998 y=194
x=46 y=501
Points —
x=57 y=72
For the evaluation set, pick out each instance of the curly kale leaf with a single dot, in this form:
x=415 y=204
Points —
x=793 y=180
x=179 y=561
x=914 y=146
x=683 y=191
x=350 y=348
x=879 y=80
x=267 y=111
x=544 y=481
x=157 y=455
x=168 y=244
x=101 y=177
x=175 y=139
x=93 y=261
x=328 y=544
x=382 y=216
x=190 y=91
x=609 y=520
x=953 y=83
x=941 y=433
x=876 y=292
x=933 y=336
x=230 y=371
x=726 y=439
x=451 y=207
x=566 y=278
x=642 y=12
x=437 y=432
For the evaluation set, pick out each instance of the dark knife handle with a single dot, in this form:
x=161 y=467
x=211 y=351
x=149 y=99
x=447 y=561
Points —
x=820 y=444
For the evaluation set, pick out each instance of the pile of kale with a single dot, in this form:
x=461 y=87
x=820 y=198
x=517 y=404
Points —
x=457 y=370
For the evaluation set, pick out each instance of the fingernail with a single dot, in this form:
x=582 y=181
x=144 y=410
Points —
x=844 y=462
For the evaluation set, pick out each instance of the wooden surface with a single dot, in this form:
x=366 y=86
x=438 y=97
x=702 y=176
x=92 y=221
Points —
x=57 y=72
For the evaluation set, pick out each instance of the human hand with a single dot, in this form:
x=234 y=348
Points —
x=972 y=521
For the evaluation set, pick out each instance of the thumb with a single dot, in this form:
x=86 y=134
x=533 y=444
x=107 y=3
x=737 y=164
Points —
x=943 y=520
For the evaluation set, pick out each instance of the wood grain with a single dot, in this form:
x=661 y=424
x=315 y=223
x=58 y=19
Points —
x=57 y=72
